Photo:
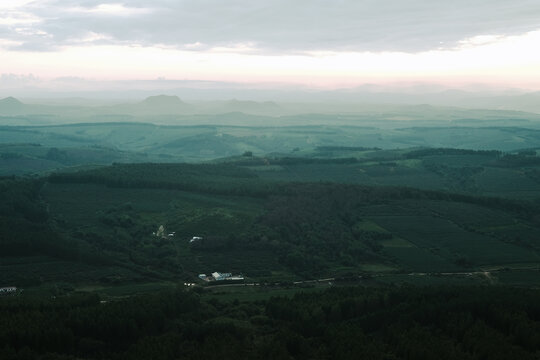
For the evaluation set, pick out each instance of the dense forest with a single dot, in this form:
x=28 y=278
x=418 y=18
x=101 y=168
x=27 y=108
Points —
x=23 y=216
x=230 y=179
x=104 y=218
x=309 y=227
x=339 y=323
x=95 y=280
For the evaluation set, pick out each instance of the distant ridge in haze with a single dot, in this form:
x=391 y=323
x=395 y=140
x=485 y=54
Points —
x=10 y=101
x=250 y=107
x=11 y=106
x=171 y=109
x=154 y=105
x=163 y=100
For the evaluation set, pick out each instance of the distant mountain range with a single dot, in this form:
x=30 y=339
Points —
x=153 y=105
x=218 y=95
x=171 y=110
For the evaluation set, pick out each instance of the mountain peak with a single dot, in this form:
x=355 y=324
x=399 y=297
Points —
x=12 y=106
x=163 y=100
x=10 y=101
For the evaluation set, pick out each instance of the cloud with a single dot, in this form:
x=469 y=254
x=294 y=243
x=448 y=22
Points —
x=18 y=80
x=266 y=26
x=11 y=18
x=118 y=10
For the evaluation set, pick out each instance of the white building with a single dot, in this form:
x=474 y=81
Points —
x=195 y=238
x=8 y=290
x=221 y=276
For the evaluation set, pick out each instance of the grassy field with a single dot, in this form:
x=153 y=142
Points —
x=451 y=242
x=511 y=183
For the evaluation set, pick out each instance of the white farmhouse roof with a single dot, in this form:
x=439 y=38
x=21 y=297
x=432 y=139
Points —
x=8 y=289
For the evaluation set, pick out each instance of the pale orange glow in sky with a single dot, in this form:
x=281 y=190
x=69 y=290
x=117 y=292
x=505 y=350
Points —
x=311 y=44
x=513 y=60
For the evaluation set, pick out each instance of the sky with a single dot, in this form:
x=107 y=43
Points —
x=321 y=44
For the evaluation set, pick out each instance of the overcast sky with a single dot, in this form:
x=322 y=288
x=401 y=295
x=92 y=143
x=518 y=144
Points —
x=331 y=43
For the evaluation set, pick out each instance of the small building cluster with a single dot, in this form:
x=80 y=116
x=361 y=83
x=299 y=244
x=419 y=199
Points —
x=8 y=290
x=217 y=276
x=162 y=233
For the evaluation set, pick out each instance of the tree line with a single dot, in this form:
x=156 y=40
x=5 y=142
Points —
x=338 y=323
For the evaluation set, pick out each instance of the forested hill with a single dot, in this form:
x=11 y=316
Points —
x=341 y=323
x=265 y=229
x=229 y=179
x=82 y=246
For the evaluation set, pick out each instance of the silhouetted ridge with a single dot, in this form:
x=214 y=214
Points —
x=10 y=101
x=10 y=105
x=163 y=100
